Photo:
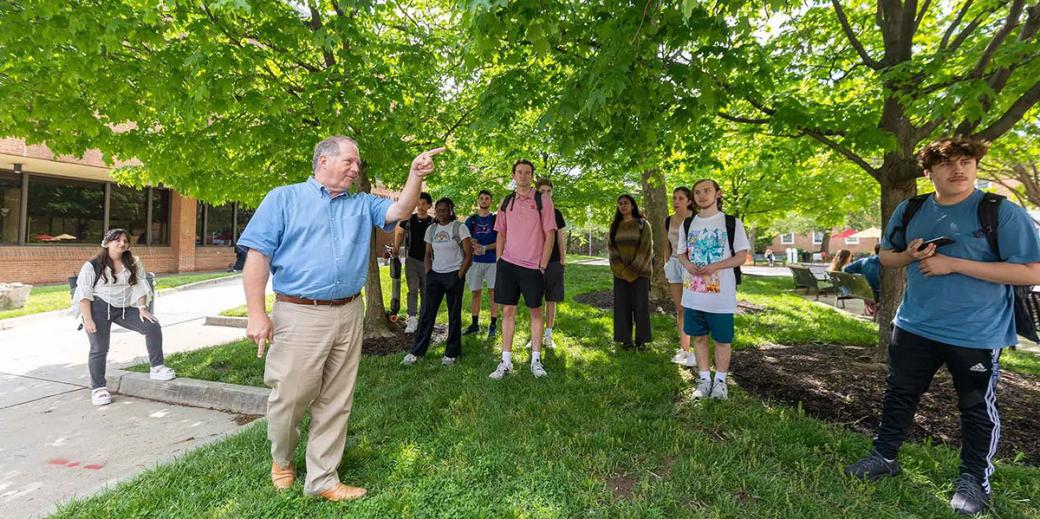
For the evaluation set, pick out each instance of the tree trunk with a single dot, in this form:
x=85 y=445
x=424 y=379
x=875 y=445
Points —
x=897 y=184
x=376 y=323
x=655 y=209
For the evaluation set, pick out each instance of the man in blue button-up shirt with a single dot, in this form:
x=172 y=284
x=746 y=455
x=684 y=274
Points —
x=314 y=238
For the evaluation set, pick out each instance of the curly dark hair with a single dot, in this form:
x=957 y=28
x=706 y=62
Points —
x=950 y=147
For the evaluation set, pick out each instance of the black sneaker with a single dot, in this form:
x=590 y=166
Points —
x=473 y=328
x=970 y=498
x=491 y=331
x=873 y=467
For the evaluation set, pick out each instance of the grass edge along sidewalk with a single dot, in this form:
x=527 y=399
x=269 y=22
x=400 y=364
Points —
x=607 y=434
x=48 y=298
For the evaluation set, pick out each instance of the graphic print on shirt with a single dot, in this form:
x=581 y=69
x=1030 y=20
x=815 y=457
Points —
x=442 y=235
x=482 y=228
x=706 y=246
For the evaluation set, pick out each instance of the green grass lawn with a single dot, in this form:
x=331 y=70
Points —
x=57 y=297
x=607 y=434
x=240 y=311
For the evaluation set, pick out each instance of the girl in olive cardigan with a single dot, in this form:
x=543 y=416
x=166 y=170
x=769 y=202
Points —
x=631 y=248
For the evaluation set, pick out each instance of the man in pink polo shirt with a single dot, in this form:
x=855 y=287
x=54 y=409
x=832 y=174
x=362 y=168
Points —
x=526 y=226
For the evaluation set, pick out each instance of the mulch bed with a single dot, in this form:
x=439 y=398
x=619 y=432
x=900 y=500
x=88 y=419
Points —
x=842 y=384
x=400 y=342
x=605 y=301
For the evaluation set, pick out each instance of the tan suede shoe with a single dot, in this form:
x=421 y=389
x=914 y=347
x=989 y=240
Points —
x=341 y=492
x=282 y=478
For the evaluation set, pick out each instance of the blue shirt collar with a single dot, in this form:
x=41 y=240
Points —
x=322 y=190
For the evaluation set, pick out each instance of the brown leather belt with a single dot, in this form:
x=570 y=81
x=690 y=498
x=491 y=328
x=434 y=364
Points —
x=316 y=302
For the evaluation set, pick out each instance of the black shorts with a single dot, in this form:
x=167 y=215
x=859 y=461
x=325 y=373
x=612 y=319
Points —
x=554 y=282
x=513 y=280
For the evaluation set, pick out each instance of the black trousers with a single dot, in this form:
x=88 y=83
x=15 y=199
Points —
x=912 y=362
x=437 y=287
x=632 y=305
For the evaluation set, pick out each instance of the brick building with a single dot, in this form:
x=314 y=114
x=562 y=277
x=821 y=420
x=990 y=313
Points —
x=54 y=211
x=813 y=242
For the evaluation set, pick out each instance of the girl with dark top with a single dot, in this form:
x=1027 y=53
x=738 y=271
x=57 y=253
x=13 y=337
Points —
x=631 y=248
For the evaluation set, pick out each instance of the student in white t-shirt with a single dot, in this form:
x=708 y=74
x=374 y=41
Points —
x=709 y=296
x=449 y=253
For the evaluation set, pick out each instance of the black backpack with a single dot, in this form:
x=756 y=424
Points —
x=989 y=222
x=731 y=229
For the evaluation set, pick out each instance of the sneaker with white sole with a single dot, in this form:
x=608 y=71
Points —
x=449 y=361
x=547 y=341
x=409 y=360
x=413 y=324
x=161 y=372
x=703 y=389
x=537 y=370
x=100 y=396
x=719 y=390
x=691 y=360
x=680 y=357
x=501 y=371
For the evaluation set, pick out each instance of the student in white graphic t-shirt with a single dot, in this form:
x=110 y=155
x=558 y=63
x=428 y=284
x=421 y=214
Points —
x=709 y=296
x=449 y=253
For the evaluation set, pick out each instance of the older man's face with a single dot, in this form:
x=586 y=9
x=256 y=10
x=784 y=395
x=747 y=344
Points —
x=341 y=171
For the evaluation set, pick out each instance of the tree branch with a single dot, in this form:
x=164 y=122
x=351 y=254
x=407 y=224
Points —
x=953 y=25
x=316 y=24
x=847 y=153
x=867 y=60
x=920 y=14
x=970 y=28
x=998 y=39
x=1013 y=114
x=738 y=119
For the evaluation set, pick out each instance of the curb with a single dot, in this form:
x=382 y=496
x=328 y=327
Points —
x=6 y=324
x=222 y=320
x=188 y=391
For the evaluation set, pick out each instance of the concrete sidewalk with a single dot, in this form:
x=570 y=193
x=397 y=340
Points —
x=58 y=446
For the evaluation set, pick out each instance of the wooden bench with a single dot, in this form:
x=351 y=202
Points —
x=805 y=278
x=851 y=286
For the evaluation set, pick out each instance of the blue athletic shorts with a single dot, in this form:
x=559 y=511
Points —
x=698 y=324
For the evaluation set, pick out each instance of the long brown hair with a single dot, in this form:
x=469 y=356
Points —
x=842 y=258
x=102 y=259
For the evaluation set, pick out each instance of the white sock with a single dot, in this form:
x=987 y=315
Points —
x=720 y=376
x=705 y=375
x=536 y=356
x=507 y=357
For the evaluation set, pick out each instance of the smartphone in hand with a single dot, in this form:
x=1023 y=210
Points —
x=939 y=242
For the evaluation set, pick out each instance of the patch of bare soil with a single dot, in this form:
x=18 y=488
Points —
x=605 y=301
x=841 y=384
x=621 y=485
x=400 y=341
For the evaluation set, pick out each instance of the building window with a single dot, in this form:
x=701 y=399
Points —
x=65 y=211
x=852 y=240
x=128 y=209
x=10 y=206
x=787 y=238
x=817 y=237
x=159 y=230
x=220 y=225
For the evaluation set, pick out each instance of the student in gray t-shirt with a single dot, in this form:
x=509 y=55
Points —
x=449 y=253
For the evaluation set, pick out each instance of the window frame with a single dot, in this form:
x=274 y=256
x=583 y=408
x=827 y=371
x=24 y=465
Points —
x=787 y=242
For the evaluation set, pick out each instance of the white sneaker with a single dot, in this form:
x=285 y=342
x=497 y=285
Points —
x=449 y=361
x=680 y=357
x=537 y=370
x=719 y=391
x=409 y=360
x=501 y=371
x=413 y=324
x=161 y=372
x=528 y=345
x=703 y=389
x=547 y=341
x=691 y=360
x=100 y=396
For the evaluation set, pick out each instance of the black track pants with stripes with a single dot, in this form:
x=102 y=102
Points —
x=912 y=362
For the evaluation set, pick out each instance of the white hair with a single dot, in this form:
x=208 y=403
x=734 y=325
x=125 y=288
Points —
x=329 y=148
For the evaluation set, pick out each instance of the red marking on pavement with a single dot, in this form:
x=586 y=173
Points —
x=73 y=464
x=58 y=461
x=93 y=467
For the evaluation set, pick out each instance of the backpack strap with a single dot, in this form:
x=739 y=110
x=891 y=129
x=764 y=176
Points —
x=989 y=219
x=507 y=200
x=731 y=230
x=538 y=203
x=913 y=204
x=455 y=232
x=686 y=227
x=667 y=223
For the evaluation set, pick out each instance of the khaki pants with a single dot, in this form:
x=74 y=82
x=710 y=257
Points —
x=313 y=361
